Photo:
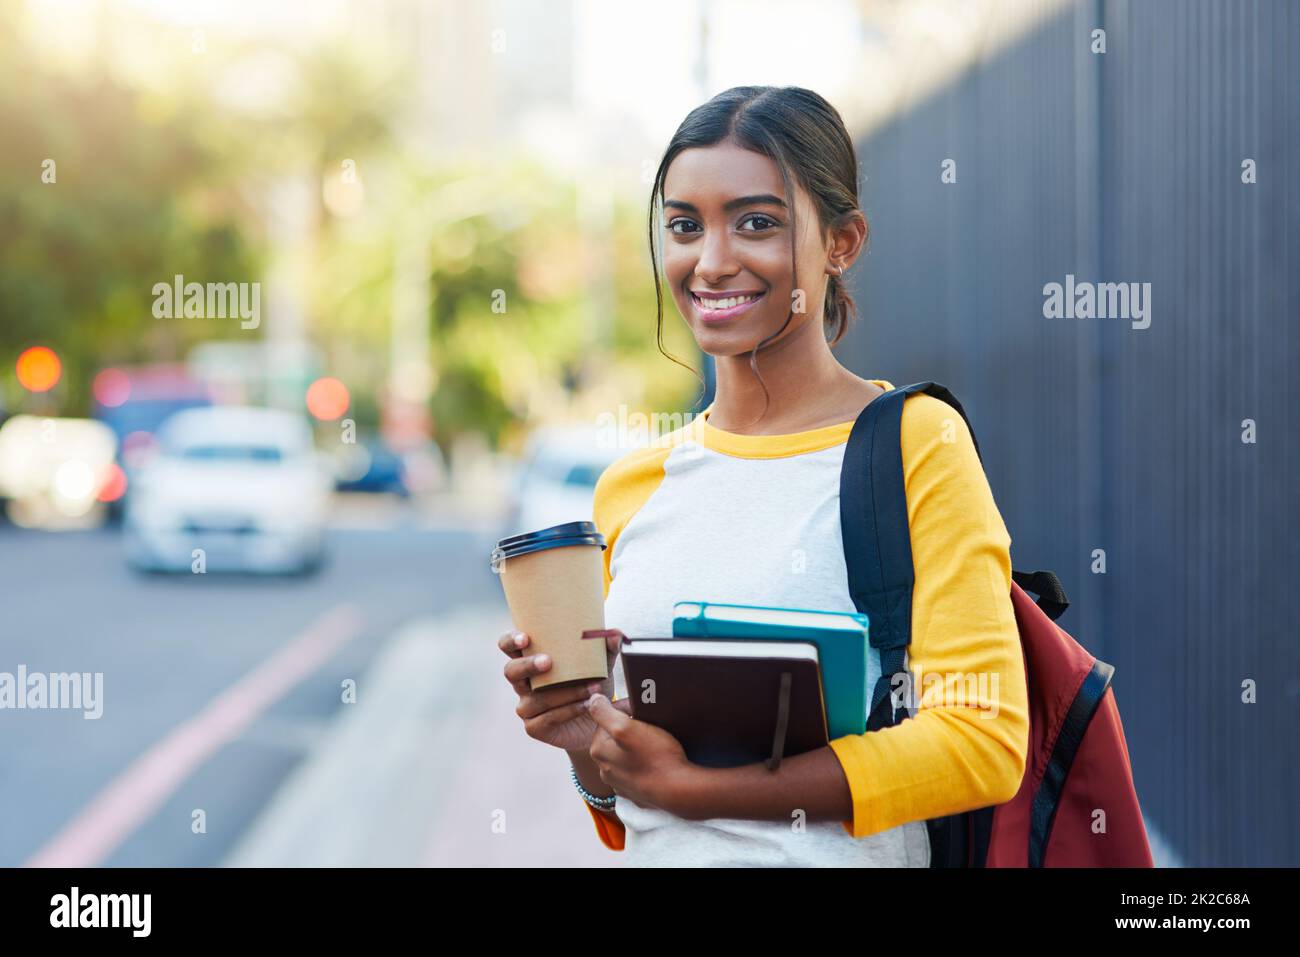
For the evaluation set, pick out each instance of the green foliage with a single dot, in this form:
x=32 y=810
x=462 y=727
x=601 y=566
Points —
x=175 y=178
x=133 y=203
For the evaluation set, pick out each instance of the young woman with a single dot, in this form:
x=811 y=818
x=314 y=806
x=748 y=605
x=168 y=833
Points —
x=755 y=206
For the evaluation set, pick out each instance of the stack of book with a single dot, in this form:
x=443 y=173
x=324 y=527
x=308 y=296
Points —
x=737 y=684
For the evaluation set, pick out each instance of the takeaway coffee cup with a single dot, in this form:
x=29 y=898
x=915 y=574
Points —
x=554 y=585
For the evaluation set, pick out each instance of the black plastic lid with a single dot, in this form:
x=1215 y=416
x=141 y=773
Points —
x=570 y=533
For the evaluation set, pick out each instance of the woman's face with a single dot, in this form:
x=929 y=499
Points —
x=727 y=236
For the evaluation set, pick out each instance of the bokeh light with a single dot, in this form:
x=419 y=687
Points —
x=39 y=369
x=112 y=387
x=113 y=485
x=327 y=398
x=73 y=486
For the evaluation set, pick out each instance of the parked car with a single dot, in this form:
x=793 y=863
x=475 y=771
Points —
x=370 y=467
x=243 y=485
x=556 y=481
x=54 y=471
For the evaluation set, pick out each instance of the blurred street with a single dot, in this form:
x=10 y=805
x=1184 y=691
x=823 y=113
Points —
x=218 y=689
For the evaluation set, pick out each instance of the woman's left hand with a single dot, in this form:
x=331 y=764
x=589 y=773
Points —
x=638 y=760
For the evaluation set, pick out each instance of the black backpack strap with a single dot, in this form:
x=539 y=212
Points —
x=878 y=555
x=1051 y=595
x=1048 y=796
x=877 y=542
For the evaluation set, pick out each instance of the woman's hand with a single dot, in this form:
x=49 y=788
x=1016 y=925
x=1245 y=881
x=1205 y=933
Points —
x=638 y=760
x=557 y=716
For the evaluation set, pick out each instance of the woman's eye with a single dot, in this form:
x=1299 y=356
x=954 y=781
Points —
x=690 y=227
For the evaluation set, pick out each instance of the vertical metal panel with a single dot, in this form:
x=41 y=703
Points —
x=1126 y=167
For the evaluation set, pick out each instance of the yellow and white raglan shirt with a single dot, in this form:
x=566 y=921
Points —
x=709 y=515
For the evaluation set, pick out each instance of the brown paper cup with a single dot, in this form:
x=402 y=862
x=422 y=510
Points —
x=556 y=593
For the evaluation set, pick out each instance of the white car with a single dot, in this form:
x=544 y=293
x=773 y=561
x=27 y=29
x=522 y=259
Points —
x=232 y=489
x=557 y=478
x=53 y=472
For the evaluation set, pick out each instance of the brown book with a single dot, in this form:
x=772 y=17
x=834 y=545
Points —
x=729 y=702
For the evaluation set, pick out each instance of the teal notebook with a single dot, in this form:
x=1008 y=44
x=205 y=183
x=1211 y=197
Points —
x=841 y=640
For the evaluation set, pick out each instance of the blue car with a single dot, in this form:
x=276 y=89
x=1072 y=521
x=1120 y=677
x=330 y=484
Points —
x=371 y=467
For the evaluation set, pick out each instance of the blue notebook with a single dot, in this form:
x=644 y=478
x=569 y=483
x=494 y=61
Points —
x=842 y=647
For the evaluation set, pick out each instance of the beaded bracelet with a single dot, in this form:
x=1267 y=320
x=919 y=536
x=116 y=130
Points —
x=600 y=803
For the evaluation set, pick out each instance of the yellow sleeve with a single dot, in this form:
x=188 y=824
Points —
x=621 y=490
x=966 y=746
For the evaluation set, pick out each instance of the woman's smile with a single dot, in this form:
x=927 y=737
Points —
x=717 y=306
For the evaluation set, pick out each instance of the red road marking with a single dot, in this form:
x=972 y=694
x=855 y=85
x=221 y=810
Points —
x=136 y=793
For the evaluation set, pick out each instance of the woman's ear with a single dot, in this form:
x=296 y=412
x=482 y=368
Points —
x=847 y=240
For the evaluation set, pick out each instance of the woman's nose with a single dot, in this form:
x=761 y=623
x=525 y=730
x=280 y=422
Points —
x=716 y=261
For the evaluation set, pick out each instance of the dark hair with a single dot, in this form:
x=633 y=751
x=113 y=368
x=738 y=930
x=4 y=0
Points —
x=805 y=136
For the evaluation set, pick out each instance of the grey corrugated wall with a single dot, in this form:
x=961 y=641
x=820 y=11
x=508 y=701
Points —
x=1126 y=167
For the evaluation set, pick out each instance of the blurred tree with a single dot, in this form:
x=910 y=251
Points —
x=158 y=177
x=98 y=202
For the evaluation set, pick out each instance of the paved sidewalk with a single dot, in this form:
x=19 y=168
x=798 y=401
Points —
x=426 y=767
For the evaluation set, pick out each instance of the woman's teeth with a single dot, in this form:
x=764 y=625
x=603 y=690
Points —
x=724 y=303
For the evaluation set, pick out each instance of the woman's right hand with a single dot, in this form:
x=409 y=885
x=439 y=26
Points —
x=556 y=716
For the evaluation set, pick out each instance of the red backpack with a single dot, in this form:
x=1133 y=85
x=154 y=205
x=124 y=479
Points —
x=1078 y=761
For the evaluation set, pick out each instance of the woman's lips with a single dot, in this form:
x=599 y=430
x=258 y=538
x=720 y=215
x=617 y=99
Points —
x=716 y=315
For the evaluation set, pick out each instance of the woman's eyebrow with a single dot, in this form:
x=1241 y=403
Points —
x=762 y=199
